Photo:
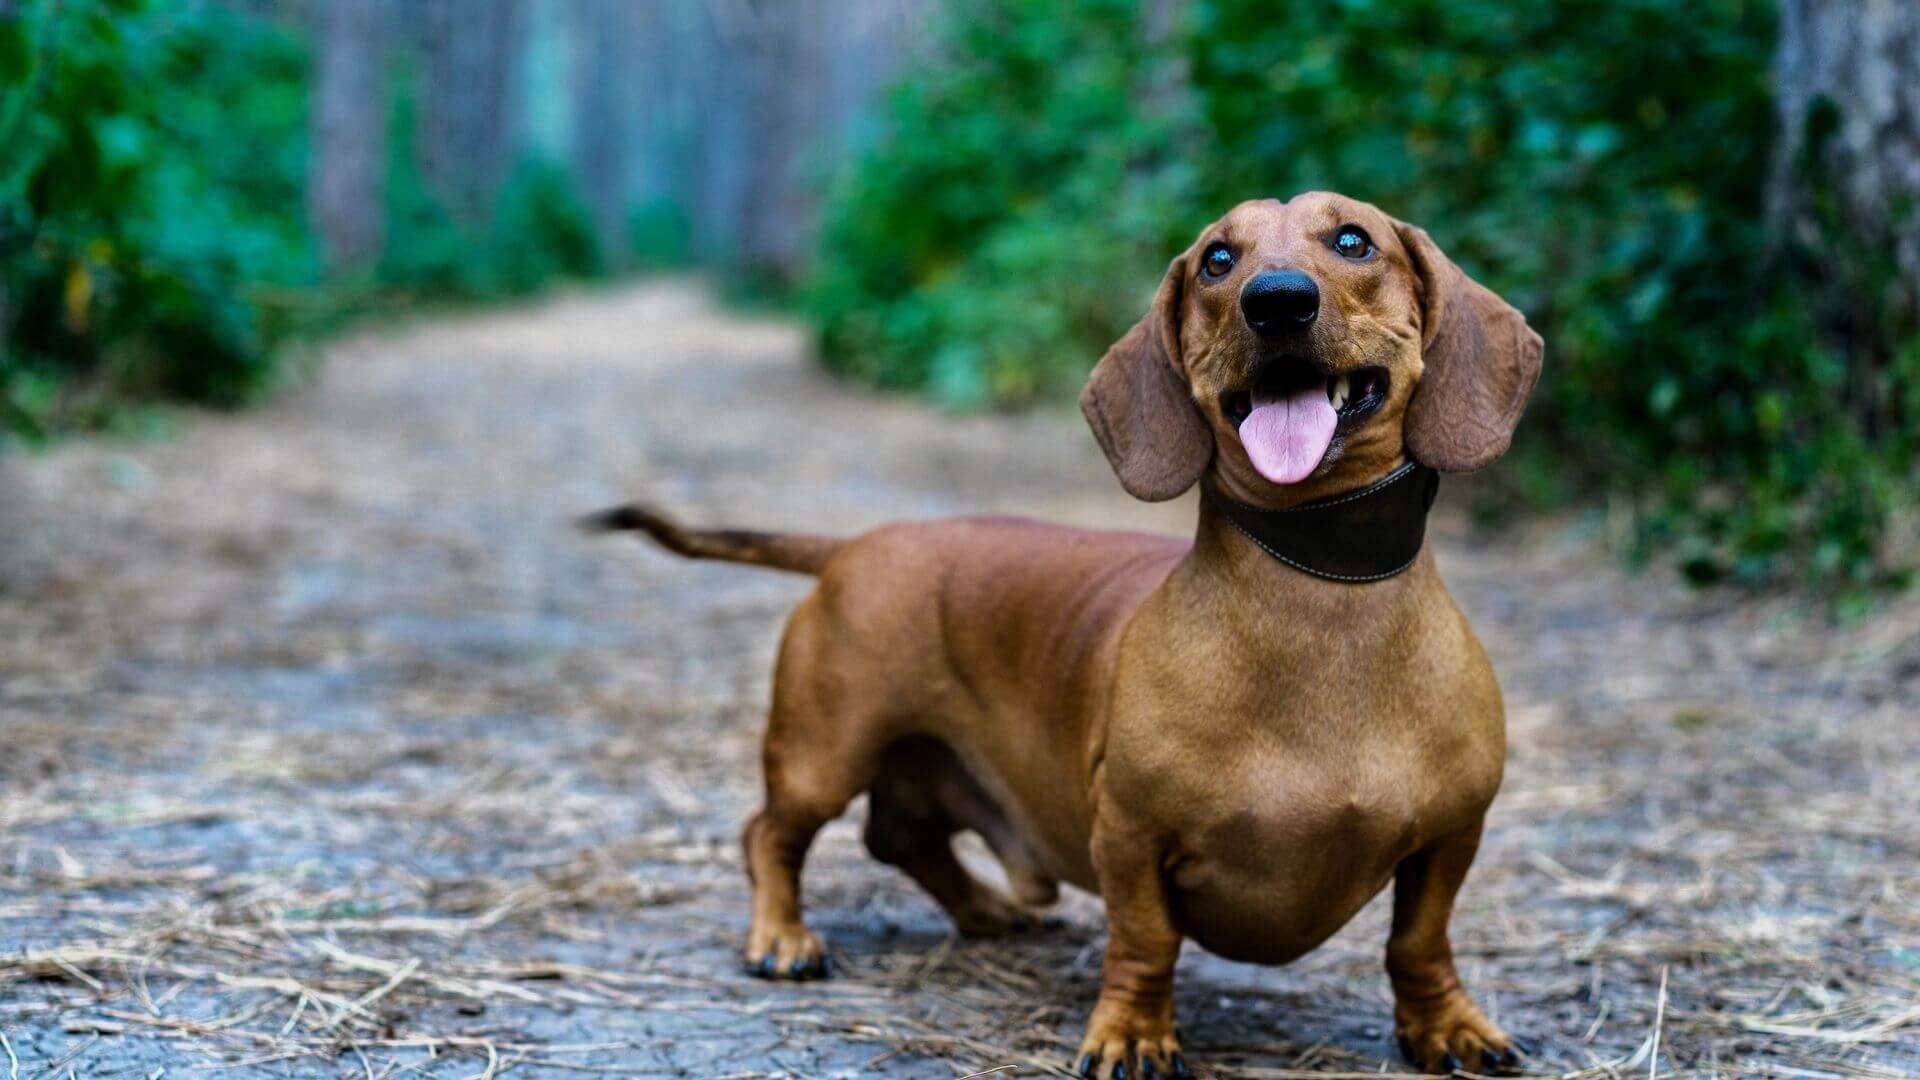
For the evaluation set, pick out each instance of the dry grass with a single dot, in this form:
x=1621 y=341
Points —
x=277 y=973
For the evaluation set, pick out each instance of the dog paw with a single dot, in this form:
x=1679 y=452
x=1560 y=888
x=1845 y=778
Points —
x=1032 y=888
x=792 y=952
x=1452 y=1034
x=1125 y=1044
x=990 y=915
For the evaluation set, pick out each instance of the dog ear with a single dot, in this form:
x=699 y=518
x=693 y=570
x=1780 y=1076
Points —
x=1140 y=408
x=1481 y=360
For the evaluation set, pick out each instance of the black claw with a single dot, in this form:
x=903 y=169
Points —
x=1053 y=922
x=823 y=967
x=1180 y=1070
x=1021 y=924
x=798 y=969
x=1526 y=1049
x=765 y=970
x=1147 y=1071
x=1450 y=1063
x=1086 y=1066
x=1406 y=1051
x=1510 y=1058
x=1119 y=1071
x=1488 y=1058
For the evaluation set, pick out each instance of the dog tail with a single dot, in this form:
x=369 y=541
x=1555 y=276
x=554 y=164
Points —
x=798 y=552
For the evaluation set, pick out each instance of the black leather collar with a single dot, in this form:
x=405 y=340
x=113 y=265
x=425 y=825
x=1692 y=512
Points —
x=1364 y=535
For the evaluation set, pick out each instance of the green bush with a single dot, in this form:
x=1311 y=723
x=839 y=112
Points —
x=1006 y=225
x=153 y=239
x=137 y=204
x=539 y=232
x=1599 y=162
x=539 y=229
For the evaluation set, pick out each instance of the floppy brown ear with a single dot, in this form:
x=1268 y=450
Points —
x=1139 y=407
x=1481 y=360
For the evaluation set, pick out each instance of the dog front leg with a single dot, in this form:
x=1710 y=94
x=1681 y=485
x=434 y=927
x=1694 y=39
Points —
x=1438 y=1024
x=1131 y=1031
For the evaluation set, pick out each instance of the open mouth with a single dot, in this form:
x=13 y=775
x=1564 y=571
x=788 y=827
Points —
x=1292 y=412
x=1352 y=394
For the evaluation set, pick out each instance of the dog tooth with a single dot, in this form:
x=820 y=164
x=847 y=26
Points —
x=1338 y=395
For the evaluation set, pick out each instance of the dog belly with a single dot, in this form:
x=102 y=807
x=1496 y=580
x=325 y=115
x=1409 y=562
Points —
x=1268 y=887
x=1268 y=919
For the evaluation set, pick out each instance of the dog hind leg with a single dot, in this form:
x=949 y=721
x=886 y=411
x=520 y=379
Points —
x=779 y=945
x=1031 y=886
x=820 y=751
x=920 y=799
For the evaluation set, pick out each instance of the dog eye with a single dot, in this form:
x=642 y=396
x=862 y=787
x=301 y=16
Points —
x=1217 y=260
x=1353 y=242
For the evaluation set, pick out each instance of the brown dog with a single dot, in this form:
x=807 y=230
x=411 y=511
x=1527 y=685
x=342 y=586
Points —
x=1223 y=746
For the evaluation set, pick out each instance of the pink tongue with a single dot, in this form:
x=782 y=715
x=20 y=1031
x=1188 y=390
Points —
x=1287 y=436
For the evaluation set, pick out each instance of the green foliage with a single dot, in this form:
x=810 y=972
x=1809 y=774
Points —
x=136 y=203
x=153 y=239
x=1004 y=228
x=1601 y=163
x=539 y=230
x=657 y=234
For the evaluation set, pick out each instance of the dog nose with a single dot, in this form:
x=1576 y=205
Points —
x=1280 y=300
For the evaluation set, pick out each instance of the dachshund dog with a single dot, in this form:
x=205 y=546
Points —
x=1239 y=739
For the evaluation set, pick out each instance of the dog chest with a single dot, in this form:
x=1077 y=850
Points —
x=1280 y=871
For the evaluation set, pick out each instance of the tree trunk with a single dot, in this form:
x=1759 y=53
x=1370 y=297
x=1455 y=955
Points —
x=660 y=100
x=349 y=123
x=778 y=107
x=729 y=157
x=1847 y=81
x=810 y=70
x=468 y=132
x=602 y=47
x=732 y=100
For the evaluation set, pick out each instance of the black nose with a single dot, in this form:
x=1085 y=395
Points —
x=1279 y=301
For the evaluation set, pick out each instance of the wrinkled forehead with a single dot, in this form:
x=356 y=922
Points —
x=1311 y=213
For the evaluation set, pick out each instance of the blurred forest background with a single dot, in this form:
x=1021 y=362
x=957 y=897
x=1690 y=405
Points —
x=1711 y=208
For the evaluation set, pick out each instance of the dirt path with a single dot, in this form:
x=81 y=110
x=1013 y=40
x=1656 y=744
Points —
x=327 y=748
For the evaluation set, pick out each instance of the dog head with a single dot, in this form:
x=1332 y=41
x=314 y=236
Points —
x=1307 y=347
